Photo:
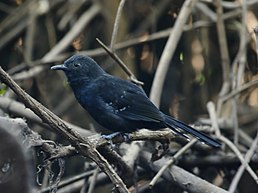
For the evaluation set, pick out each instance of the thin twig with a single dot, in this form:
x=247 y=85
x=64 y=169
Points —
x=242 y=46
x=120 y=62
x=207 y=11
x=29 y=41
x=256 y=35
x=69 y=181
x=240 y=157
x=236 y=4
x=116 y=24
x=241 y=169
x=213 y=118
x=70 y=14
x=93 y=180
x=235 y=120
x=171 y=161
x=236 y=91
x=240 y=89
x=212 y=114
x=225 y=61
x=239 y=67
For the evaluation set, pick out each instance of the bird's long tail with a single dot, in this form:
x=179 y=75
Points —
x=176 y=126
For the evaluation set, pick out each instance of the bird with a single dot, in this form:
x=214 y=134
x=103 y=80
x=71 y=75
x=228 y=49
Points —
x=117 y=104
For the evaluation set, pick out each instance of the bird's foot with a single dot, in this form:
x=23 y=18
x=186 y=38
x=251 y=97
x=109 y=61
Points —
x=126 y=137
x=110 y=136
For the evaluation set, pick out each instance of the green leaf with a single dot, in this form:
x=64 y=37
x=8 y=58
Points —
x=181 y=56
x=200 y=79
x=3 y=89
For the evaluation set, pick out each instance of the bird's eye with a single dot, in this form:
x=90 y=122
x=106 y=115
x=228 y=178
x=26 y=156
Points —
x=77 y=65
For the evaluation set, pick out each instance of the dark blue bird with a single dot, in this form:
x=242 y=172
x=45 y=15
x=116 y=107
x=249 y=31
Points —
x=116 y=104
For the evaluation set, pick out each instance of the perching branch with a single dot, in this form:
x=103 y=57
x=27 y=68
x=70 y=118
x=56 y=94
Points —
x=98 y=141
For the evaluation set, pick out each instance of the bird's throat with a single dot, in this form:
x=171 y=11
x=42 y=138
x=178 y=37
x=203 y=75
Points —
x=79 y=81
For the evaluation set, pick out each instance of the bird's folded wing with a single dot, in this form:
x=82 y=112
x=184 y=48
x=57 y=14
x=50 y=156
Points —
x=136 y=106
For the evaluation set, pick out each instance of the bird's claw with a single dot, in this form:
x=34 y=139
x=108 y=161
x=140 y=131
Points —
x=126 y=137
x=110 y=137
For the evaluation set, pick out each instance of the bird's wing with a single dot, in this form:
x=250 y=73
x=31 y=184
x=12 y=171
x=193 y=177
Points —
x=136 y=106
x=130 y=102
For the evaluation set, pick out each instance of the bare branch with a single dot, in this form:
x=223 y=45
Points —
x=240 y=157
x=121 y=63
x=241 y=169
x=211 y=110
x=171 y=161
x=184 y=179
x=223 y=49
x=116 y=24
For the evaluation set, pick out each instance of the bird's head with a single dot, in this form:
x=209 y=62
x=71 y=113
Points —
x=80 y=67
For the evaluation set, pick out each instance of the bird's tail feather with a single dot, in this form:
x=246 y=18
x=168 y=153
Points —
x=175 y=125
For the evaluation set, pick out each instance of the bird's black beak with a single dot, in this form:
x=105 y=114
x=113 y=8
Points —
x=59 y=67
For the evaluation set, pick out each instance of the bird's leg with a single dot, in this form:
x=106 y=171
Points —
x=126 y=137
x=111 y=136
